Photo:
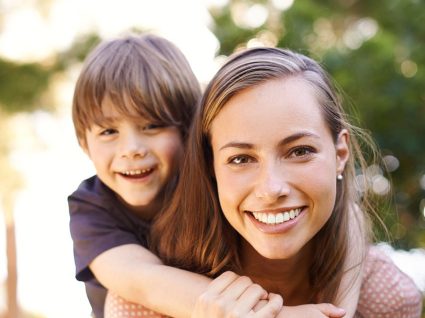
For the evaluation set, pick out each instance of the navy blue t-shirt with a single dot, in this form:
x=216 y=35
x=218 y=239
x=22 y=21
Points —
x=99 y=222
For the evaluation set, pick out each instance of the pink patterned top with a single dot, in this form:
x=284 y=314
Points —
x=386 y=292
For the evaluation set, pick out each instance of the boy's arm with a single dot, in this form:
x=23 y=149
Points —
x=136 y=274
x=106 y=246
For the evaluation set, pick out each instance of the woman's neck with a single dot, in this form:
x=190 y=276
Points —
x=288 y=277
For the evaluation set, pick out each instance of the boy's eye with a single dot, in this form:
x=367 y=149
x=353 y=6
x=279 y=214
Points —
x=240 y=160
x=108 y=132
x=153 y=126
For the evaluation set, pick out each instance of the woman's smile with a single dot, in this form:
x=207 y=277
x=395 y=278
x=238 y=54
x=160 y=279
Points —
x=276 y=222
x=276 y=218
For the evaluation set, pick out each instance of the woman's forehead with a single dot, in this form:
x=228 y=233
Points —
x=284 y=106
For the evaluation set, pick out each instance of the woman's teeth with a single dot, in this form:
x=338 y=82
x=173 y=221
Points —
x=276 y=218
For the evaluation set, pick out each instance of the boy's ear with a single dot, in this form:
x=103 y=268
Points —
x=342 y=150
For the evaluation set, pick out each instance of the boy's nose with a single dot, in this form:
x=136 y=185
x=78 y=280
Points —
x=134 y=147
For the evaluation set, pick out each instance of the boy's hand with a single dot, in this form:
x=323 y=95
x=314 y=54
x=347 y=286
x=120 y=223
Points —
x=231 y=295
x=312 y=311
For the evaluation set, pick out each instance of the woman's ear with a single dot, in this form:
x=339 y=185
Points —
x=342 y=150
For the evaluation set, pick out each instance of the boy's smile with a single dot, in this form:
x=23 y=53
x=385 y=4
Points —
x=137 y=173
x=133 y=158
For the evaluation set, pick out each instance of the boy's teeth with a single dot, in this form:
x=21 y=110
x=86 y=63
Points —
x=136 y=172
x=276 y=218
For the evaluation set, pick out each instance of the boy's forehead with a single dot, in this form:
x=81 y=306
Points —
x=112 y=111
x=109 y=108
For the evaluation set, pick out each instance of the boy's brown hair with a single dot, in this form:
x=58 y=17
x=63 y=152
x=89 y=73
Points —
x=146 y=76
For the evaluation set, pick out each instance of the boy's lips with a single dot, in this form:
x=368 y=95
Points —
x=136 y=173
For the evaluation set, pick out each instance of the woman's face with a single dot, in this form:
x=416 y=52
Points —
x=276 y=165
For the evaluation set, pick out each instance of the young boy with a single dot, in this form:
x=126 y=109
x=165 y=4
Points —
x=133 y=104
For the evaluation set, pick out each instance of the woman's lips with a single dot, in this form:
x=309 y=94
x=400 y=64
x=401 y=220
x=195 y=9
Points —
x=276 y=218
x=276 y=222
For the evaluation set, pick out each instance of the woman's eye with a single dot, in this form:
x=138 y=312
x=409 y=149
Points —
x=238 y=160
x=302 y=151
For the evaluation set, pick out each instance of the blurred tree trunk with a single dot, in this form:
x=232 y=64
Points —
x=12 y=276
x=10 y=182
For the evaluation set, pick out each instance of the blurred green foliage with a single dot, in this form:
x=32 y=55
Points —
x=375 y=53
x=23 y=85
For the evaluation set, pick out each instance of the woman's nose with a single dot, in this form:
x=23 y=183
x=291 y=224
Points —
x=272 y=184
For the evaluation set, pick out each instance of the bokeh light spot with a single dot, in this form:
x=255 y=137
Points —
x=391 y=162
x=408 y=68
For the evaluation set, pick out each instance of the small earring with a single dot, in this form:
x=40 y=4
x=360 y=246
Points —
x=339 y=177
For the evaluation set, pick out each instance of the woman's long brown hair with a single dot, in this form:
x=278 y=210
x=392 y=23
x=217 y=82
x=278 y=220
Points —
x=192 y=232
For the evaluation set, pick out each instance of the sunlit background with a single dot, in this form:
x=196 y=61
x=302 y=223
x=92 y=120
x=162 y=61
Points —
x=41 y=163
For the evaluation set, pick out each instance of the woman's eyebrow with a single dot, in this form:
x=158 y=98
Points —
x=296 y=136
x=240 y=145
x=284 y=141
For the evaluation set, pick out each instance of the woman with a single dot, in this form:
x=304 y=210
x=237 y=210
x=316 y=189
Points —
x=268 y=191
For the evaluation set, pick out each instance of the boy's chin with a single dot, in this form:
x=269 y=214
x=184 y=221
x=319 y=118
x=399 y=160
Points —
x=146 y=206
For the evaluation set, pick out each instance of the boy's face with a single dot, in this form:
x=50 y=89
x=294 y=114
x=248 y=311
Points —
x=134 y=159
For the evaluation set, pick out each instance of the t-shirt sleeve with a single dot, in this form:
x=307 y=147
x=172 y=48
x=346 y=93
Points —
x=94 y=230
x=386 y=291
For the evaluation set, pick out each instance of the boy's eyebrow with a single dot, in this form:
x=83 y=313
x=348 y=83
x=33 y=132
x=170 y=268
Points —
x=284 y=141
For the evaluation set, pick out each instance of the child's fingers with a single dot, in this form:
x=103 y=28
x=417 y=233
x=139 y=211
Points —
x=219 y=284
x=223 y=294
x=331 y=311
x=229 y=295
x=253 y=294
x=271 y=308
x=244 y=288
x=260 y=304
x=210 y=303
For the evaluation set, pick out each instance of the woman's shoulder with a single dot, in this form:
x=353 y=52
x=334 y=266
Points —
x=386 y=291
